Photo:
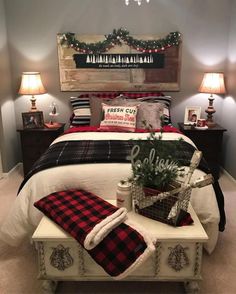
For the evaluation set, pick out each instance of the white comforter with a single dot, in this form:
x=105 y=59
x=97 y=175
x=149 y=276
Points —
x=100 y=179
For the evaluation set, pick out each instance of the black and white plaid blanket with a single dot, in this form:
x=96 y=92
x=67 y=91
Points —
x=103 y=151
x=112 y=151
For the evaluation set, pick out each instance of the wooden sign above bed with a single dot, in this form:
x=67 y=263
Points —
x=84 y=66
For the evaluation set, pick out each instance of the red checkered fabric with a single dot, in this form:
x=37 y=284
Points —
x=100 y=95
x=135 y=95
x=112 y=95
x=184 y=219
x=119 y=250
x=78 y=211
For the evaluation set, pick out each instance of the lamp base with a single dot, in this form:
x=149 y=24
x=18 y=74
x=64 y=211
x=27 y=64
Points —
x=52 y=125
x=210 y=110
x=33 y=104
x=210 y=124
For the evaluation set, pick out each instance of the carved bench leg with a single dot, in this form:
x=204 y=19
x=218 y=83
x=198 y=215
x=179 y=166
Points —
x=191 y=287
x=49 y=287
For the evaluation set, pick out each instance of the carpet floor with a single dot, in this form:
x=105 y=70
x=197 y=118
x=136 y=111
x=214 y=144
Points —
x=18 y=267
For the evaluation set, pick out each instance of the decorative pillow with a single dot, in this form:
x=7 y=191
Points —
x=161 y=99
x=147 y=111
x=81 y=111
x=166 y=101
x=119 y=117
x=112 y=98
x=151 y=113
x=96 y=100
x=96 y=109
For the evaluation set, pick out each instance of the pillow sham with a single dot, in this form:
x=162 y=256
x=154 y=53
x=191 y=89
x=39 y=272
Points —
x=119 y=118
x=166 y=100
x=96 y=109
x=81 y=111
x=96 y=100
x=151 y=113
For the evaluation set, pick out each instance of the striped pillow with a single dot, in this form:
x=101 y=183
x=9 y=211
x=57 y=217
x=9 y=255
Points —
x=81 y=111
x=96 y=99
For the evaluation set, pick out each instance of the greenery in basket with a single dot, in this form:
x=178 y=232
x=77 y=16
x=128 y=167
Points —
x=154 y=163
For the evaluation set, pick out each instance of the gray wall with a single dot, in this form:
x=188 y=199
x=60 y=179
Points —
x=8 y=139
x=229 y=103
x=32 y=27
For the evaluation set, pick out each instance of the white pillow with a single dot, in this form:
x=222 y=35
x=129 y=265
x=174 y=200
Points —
x=120 y=118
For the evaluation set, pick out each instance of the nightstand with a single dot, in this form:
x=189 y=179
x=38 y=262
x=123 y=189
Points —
x=34 y=142
x=209 y=141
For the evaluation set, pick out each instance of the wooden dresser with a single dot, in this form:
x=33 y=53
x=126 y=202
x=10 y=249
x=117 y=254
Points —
x=34 y=142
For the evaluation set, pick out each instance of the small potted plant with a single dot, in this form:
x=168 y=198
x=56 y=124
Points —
x=161 y=188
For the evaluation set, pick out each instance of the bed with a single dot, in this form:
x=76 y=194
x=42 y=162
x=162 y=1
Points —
x=100 y=179
x=100 y=175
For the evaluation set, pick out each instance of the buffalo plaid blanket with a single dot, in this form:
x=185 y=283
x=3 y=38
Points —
x=98 y=226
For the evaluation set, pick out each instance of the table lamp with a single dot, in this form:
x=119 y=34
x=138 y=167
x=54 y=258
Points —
x=212 y=83
x=31 y=84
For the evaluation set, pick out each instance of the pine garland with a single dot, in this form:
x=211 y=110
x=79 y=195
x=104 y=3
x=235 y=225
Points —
x=116 y=38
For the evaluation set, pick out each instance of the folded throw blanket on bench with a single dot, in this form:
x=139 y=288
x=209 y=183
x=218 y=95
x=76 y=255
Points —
x=99 y=227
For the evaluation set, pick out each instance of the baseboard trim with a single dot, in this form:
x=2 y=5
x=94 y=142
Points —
x=17 y=167
x=228 y=175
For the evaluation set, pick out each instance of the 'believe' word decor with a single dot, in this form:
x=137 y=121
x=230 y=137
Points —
x=159 y=164
x=116 y=38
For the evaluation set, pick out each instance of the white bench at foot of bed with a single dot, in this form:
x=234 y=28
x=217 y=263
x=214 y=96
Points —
x=177 y=256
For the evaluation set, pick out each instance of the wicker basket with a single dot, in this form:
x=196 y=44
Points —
x=168 y=207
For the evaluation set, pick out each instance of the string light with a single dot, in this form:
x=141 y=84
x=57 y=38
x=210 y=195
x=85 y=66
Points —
x=119 y=36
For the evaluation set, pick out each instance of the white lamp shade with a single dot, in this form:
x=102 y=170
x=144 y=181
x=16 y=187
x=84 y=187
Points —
x=213 y=83
x=31 y=84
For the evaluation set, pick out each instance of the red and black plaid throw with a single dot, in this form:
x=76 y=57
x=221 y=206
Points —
x=119 y=250
x=79 y=213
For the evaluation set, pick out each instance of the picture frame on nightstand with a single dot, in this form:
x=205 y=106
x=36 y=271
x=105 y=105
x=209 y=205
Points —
x=33 y=120
x=192 y=114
